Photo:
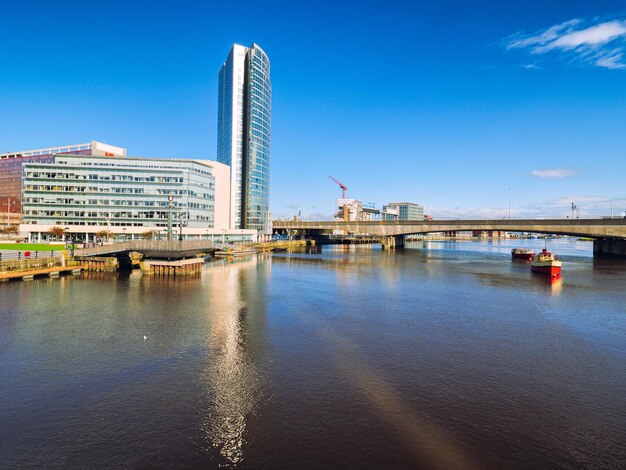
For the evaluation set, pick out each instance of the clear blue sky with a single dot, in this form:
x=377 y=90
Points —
x=448 y=103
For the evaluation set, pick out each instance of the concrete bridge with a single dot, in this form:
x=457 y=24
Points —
x=609 y=234
x=160 y=249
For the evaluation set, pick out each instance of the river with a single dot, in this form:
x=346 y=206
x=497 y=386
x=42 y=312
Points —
x=451 y=356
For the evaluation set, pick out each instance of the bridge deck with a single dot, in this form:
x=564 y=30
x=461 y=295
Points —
x=151 y=248
x=615 y=228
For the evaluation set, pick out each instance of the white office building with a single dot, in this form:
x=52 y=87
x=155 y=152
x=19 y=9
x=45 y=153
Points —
x=128 y=197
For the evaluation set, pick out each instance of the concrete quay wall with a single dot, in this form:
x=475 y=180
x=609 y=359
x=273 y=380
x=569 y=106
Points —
x=183 y=267
x=29 y=264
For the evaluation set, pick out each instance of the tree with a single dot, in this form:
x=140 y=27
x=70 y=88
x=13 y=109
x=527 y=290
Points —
x=57 y=232
x=149 y=235
x=103 y=234
x=9 y=230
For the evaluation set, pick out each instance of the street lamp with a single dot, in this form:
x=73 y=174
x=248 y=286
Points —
x=170 y=198
x=180 y=227
x=69 y=246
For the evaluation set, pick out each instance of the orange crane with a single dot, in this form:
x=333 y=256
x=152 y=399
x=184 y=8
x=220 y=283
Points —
x=344 y=188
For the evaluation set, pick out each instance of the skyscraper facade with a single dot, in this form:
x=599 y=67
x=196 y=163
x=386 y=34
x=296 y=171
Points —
x=243 y=134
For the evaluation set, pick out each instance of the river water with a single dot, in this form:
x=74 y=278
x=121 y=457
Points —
x=452 y=356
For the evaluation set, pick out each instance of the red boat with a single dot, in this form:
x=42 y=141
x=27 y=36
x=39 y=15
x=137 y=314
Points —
x=546 y=263
x=522 y=253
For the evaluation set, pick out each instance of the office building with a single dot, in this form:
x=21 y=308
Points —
x=243 y=134
x=389 y=214
x=405 y=210
x=11 y=167
x=127 y=196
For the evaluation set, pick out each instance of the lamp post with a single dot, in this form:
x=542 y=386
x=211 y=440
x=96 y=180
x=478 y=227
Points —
x=170 y=198
x=68 y=242
x=180 y=227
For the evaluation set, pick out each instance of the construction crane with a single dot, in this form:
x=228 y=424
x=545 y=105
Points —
x=344 y=188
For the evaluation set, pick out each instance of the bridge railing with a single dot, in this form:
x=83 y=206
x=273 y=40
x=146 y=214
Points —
x=146 y=245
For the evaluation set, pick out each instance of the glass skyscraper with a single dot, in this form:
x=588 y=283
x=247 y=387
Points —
x=243 y=134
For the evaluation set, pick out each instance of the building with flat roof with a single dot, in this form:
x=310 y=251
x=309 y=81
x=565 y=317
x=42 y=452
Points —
x=126 y=194
x=405 y=210
x=243 y=134
x=11 y=167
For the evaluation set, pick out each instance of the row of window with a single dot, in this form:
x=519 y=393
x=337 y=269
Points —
x=94 y=176
x=101 y=189
x=110 y=202
x=114 y=215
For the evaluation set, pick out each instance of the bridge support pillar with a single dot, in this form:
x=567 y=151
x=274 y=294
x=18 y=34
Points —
x=390 y=243
x=605 y=247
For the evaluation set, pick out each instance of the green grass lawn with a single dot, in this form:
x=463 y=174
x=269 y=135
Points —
x=31 y=247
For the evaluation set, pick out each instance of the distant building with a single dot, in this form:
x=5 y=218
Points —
x=243 y=134
x=406 y=210
x=127 y=195
x=11 y=167
x=389 y=214
x=352 y=210
x=369 y=212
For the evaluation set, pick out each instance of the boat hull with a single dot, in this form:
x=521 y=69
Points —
x=522 y=253
x=549 y=270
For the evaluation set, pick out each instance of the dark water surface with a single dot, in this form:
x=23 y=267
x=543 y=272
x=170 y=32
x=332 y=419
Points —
x=452 y=357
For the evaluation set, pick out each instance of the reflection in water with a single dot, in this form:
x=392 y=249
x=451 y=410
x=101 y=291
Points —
x=233 y=384
x=556 y=286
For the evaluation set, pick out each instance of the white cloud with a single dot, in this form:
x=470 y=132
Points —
x=612 y=60
x=600 y=44
x=318 y=216
x=520 y=41
x=588 y=206
x=567 y=200
x=553 y=173
x=593 y=36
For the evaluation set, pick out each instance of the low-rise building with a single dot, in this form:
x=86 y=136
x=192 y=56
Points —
x=406 y=210
x=127 y=196
x=389 y=214
x=348 y=209
x=11 y=167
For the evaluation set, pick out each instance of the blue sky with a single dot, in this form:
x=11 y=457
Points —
x=448 y=103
